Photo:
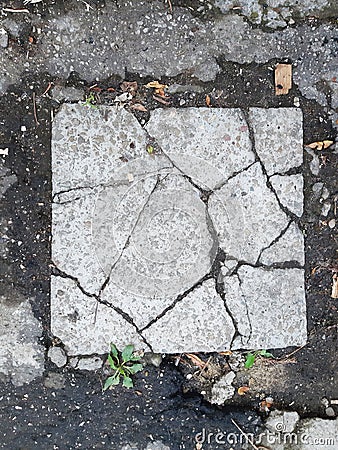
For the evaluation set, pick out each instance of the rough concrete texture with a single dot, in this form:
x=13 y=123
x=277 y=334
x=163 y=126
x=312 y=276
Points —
x=199 y=321
x=84 y=325
x=186 y=43
x=223 y=389
x=289 y=190
x=58 y=356
x=134 y=235
x=286 y=421
x=21 y=352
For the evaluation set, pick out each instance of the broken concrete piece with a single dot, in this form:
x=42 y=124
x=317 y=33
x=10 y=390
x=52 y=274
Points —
x=58 y=356
x=289 y=190
x=21 y=352
x=3 y=38
x=93 y=363
x=204 y=312
x=289 y=247
x=275 y=319
x=246 y=215
x=278 y=137
x=282 y=421
x=223 y=389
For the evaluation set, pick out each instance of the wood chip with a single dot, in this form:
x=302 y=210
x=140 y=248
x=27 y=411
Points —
x=139 y=107
x=334 y=293
x=283 y=79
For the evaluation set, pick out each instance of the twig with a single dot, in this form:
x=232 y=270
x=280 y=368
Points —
x=34 y=109
x=16 y=10
x=47 y=89
x=170 y=6
x=244 y=434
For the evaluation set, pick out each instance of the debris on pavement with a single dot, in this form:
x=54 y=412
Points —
x=283 y=79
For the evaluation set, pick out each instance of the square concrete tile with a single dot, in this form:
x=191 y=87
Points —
x=195 y=247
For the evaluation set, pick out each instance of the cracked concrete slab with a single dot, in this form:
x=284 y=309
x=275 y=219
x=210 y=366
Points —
x=135 y=235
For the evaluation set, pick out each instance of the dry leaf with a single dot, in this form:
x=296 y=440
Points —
x=207 y=100
x=320 y=145
x=110 y=89
x=243 y=390
x=161 y=100
x=195 y=360
x=226 y=353
x=139 y=107
x=156 y=85
x=334 y=293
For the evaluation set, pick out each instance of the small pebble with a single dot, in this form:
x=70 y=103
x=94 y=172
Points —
x=332 y=223
x=330 y=412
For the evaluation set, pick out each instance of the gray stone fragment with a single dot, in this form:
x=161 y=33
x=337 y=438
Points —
x=282 y=421
x=6 y=179
x=269 y=306
x=326 y=208
x=54 y=380
x=330 y=412
x=84 y=326
x=208 y=145
x=290 y=247
x=314 y=164
x=223 y=389
x=58 y=356
x=206 y=326
x=246 y=215
x=289 y=189
x=67 y=93
x=278 y=137
x=155 y=359
x=21 y=352
x=3 y=38
x=93 y=363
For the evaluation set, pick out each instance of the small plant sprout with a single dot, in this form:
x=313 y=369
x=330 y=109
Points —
x=251 y=357
x=90 y=101
x=124 y=364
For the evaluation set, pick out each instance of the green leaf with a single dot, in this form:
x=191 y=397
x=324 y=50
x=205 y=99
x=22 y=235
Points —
x=265 y=354
x=135 y=358
x=127 y=382
x=250 y=360
x=112 y=362
x=150 y=149
x=111 y=381
x=127 y=353
x=114 y=351
x=134 y=368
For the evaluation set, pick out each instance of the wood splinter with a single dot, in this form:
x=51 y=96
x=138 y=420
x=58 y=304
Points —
x=283 y=79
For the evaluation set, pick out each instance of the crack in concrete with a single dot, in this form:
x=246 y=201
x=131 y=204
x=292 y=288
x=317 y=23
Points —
x=180 y=297
x=130 y=234
x=106 y=185
x=274 y=241
x=286 y=211
x=59 y=273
